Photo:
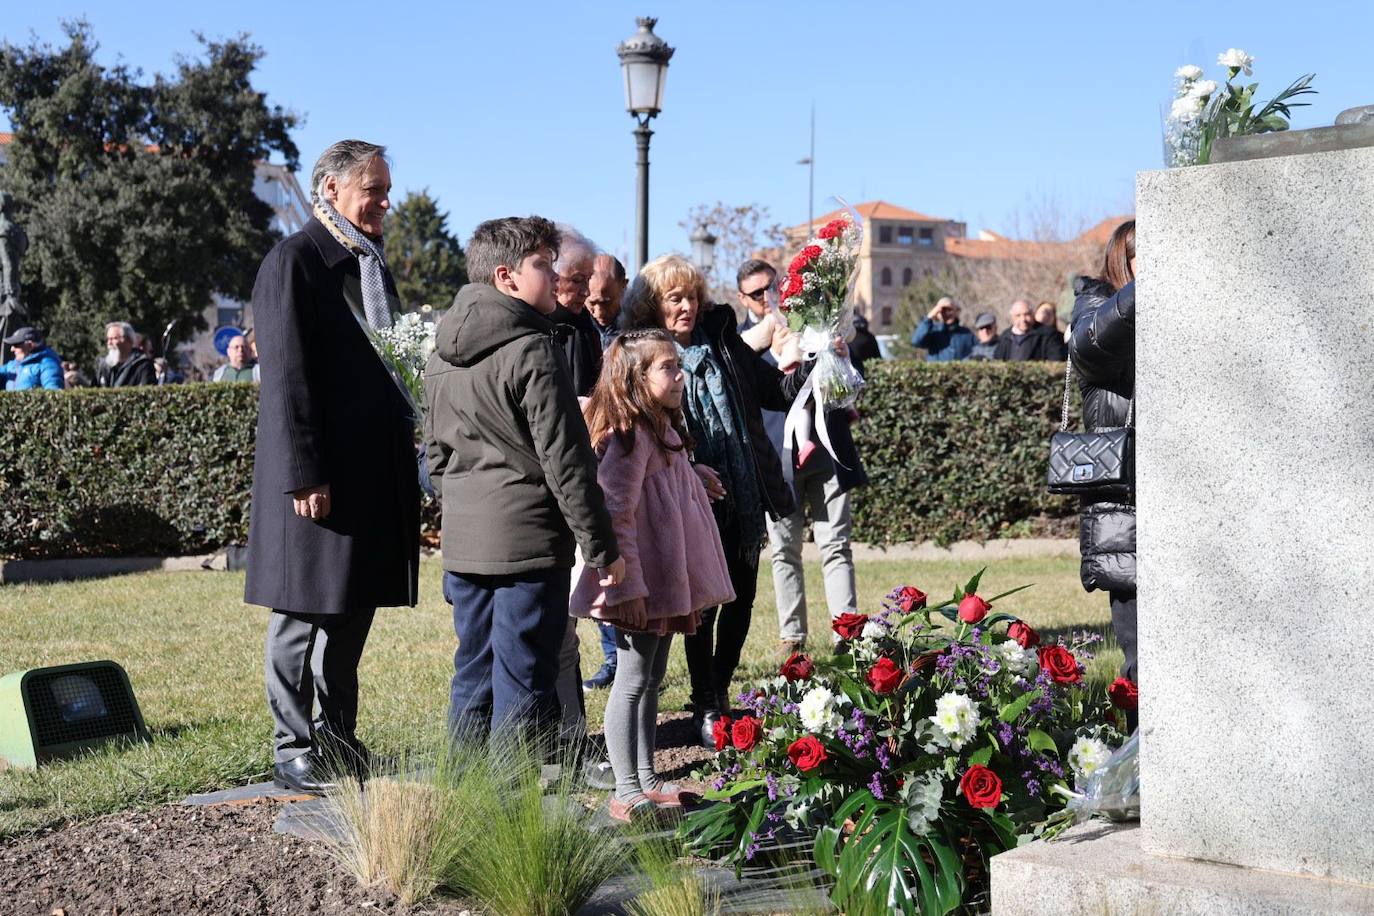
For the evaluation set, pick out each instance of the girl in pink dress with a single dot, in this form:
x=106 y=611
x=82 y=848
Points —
x=674 y=563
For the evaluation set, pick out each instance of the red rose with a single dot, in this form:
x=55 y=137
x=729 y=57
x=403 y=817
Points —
x=981 y=787
x=721 y=732
x=798 y=265
x=848 y=625
x=1124 y=693
x=1025 y=637
x=884 y=676
x=973 y=609
x=1061 y=664
x=806 y=753
x=910 y=599
x=811 y=252
x=745 y=733
x=798 y=667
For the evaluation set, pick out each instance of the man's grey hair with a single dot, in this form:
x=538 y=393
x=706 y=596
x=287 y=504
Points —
x=617 y=269
x=342 y=160
x=507 y=241
x=574 y=247
x=129 y=333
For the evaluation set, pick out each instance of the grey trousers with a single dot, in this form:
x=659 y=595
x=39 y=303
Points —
x=815 y=486
x=632 y=711
x=312 y=660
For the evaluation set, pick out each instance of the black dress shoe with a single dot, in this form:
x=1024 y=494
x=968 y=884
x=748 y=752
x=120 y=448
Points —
x=303 y=774
x=706 y=727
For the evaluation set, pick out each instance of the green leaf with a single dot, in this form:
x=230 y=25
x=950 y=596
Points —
x=1019 y=588
x=981 y=756
x=972 y=587
x=1038 y=740
x=1018 y=705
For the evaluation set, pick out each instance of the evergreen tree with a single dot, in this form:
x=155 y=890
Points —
x=425 y=260
x=137 y=199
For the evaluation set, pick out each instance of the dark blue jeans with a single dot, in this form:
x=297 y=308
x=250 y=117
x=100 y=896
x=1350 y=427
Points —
x=510 y=630
x=608 y=647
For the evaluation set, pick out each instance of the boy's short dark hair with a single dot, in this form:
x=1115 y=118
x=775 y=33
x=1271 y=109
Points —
x=507 y=241
x=751 y=267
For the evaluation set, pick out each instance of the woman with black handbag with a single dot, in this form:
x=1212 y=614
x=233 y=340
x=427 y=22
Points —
x=1102 y=351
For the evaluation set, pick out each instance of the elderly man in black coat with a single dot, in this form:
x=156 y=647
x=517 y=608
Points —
x=334 y=530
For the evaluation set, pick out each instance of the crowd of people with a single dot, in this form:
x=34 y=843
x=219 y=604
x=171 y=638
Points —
x=1035 y=334
x=128 y=362
x=604 y=447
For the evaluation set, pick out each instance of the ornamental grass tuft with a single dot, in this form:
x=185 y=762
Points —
x=671 y=887
x=482 y=821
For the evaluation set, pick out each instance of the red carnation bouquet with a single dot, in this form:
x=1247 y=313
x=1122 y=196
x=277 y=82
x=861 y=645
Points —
x=815 y=298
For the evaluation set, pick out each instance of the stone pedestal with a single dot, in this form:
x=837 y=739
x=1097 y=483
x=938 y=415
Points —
x=1255 y=464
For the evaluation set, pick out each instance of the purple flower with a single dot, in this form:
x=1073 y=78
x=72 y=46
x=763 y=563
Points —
x=875 y=785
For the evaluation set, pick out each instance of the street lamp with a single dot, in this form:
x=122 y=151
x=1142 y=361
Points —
x=810 y=162
x=644 y=58
x=703 y=248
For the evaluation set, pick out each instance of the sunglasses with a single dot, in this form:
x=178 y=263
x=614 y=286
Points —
x=758 y=294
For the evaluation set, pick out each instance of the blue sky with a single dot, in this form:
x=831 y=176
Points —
x=980 y=112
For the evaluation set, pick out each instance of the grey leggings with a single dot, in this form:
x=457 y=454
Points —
x=632 y=710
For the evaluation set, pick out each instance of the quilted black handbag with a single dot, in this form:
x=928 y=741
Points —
x=1094 y=465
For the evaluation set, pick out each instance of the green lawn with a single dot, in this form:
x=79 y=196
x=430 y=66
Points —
x=193 y=651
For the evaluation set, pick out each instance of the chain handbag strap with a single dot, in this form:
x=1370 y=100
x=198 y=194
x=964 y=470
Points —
x=1064 y=414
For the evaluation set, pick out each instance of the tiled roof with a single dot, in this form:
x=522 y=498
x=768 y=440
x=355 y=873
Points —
x=1102 y=232
x=6 y=138
x=873 y=209
x=992 y=245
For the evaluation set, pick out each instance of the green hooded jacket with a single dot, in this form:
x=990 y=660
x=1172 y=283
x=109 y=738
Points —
x=507 y=448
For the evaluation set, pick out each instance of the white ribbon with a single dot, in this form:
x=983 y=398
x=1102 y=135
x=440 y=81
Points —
x=814 y=341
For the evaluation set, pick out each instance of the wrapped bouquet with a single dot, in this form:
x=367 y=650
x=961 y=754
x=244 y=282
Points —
x=816 y=302
x=404 y=349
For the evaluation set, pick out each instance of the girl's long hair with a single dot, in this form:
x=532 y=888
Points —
x=621 y=396
x=1116 y=266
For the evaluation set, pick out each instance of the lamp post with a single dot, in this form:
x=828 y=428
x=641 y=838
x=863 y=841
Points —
x=810 y=162
x=704 y=252
x=644 y=59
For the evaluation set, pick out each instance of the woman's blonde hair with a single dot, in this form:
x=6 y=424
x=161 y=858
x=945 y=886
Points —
x=621 y=396
x=655 y=279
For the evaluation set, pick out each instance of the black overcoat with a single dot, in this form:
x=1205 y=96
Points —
x=329 y=413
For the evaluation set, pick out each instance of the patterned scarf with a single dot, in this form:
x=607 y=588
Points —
x=376 y=277
x=722 y=441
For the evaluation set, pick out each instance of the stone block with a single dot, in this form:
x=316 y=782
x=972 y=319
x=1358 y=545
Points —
x=1255 y=419
x=1101 y=870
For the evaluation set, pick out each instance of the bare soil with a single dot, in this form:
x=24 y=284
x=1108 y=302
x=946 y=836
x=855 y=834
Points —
x=220 y=859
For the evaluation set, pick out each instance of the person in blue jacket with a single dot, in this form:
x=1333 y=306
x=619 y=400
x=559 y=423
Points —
x=941 y=335
x=35 y=365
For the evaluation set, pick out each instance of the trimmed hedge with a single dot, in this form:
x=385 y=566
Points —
x=956 y=451
x=953 y=451
x=126 y=472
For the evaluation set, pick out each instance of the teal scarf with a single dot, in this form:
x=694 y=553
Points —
x=722 y=442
